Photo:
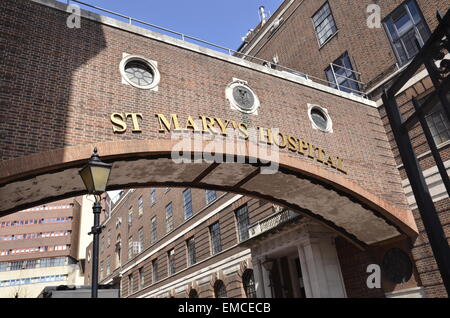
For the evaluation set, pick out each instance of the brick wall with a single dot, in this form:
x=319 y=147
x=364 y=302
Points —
x=296 y=44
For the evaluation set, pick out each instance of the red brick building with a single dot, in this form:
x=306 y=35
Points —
x=339 y=201
x=39 y=247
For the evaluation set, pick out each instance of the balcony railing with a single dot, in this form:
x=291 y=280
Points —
x=272 y=222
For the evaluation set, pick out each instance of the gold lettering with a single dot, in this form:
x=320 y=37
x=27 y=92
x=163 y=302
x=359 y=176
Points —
x=223 y=126
x=244 y=130
x=331 y=162
x=303 y=146
x=320 y=155
x=190 y=124
x=208 y=124
x=312 y=151
x=340 y=165
x=134 y=119
x=283 y=143
x=163 y=122
x=292 y=143
x=267 y=136
x=118 y=121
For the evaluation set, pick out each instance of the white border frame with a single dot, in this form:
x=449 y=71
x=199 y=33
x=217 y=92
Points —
x=324 y=111
x=150 y=63
x=233 y=104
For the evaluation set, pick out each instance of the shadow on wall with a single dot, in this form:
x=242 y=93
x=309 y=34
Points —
x=39 y=57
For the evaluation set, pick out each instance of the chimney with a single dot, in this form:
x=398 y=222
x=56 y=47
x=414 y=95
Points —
x=262 y=14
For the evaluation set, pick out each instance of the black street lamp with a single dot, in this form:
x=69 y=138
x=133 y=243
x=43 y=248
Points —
x=95 y=175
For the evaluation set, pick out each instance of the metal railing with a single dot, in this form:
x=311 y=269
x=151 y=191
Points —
x=272 y=222
x=185 y=37
x=345 y=78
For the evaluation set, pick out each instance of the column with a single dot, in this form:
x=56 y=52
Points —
x=267 y=283
x=320 y=267
x=258 y=276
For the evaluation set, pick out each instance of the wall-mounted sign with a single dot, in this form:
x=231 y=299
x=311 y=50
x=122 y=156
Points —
x=220 y=126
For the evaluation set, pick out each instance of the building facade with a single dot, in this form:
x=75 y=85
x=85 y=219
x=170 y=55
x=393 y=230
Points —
x=361 y=48
x=40 y=247
x=172 y=242
x=337 y=208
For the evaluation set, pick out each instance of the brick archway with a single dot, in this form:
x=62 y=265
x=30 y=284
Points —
x=328 y=197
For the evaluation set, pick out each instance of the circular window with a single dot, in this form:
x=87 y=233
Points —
x=139 y=72
x=319 y=118
x=397 y=267
x=242 y=97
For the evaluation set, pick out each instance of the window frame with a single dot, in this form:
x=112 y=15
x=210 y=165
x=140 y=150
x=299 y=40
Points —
x=239 y=222
x=212 y=237
x=169 y=218
x=315 y=27
x=392 y=42
x=334 y=82
x=191 y=252
x=187 y=204
x=207 y=196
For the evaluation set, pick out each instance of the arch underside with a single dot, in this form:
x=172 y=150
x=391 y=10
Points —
x=327 y=197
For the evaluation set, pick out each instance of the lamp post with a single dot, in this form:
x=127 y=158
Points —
x=95 y=175
x=268 y=265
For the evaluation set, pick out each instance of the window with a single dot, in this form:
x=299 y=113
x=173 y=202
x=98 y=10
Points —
x=187 y=203
x=210 y=196
x=155 y=270
x=130 y=283
x=130 y=247
x=438 y=123
x=171 y=262
x=101 y=270
x=141 y=239
x=190 y=244
x=404 y=26
x=220 y=290
x=141 y=278
x=169 y=217
x=193 y=293
x=140 y=72
x=341 y=75
x=118 y=250
x=130 y=217
x=216 y=244
x=242 y=222
x=154 y=235
x=152 y=196
x=324 y=24
x=140 y=206
x=320 y=119
x=249 y=284
x=108 y=266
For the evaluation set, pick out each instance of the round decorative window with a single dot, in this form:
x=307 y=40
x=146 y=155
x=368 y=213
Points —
x=139 y=72
x=242 y=97
x=319 y=118
x=397 y=266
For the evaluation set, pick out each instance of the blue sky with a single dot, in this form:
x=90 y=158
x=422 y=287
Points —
x=222 y=22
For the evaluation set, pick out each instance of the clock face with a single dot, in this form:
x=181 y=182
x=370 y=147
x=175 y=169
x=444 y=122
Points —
x=397 y=267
